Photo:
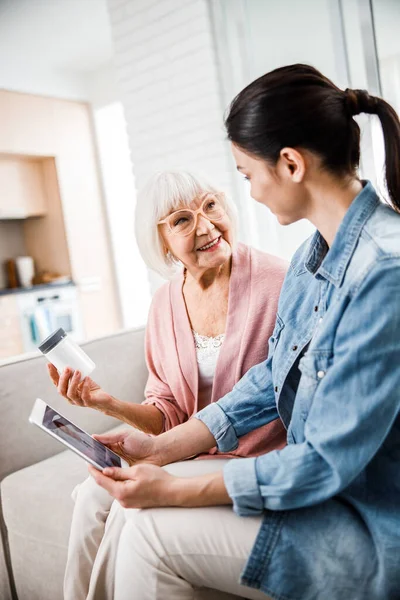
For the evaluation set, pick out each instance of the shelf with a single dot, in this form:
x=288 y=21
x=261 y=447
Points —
x=34 y=288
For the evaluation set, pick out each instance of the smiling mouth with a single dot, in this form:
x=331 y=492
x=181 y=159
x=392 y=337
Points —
x=210 y=244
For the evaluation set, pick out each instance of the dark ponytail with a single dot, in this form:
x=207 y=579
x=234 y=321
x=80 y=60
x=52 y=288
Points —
x=391 y=134
x=296 y=106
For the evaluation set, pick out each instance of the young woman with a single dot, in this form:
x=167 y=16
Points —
x=318 y=519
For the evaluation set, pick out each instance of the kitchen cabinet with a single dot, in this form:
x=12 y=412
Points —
x=22 y=188
x=71 y=238
x=11 y=342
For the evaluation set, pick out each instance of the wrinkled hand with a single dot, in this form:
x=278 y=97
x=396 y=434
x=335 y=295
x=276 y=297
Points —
x=132 y=445
x=81 y=393
x=141 y=486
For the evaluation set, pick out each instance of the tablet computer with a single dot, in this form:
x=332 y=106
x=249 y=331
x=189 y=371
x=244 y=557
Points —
x=74 y=438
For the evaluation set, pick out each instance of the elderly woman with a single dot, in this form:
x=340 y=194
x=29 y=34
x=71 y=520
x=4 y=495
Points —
x=207 y=326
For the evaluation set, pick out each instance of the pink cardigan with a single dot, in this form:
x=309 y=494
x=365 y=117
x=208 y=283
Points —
x=256 y=280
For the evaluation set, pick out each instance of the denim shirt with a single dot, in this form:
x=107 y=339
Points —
x=333 y=377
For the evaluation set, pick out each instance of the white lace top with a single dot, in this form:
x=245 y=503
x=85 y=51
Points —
x=207 y=352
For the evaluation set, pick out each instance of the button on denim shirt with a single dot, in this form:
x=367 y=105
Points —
x=331 y=498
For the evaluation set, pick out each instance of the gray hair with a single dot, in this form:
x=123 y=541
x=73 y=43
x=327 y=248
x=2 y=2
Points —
x=165 y=192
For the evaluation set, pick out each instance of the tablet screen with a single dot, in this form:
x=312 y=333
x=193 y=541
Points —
x=80 y=440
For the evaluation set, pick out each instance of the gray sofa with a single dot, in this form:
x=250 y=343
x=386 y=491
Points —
x=37 y=476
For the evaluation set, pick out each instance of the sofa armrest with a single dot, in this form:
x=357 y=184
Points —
x=120 y=369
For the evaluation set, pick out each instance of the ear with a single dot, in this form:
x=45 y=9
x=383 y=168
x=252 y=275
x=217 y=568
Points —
x=293 y=164
x=164 y=243
x=167 y=252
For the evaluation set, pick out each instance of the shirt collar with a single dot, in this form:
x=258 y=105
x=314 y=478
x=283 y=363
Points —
x=331 y=263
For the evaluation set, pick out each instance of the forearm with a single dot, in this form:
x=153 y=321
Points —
x=183 y=441
x=147 y=418
x=207 y=490
x=250 y=405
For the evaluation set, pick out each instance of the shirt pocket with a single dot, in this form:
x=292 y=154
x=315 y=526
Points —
x=313 y=367
x=276 y=334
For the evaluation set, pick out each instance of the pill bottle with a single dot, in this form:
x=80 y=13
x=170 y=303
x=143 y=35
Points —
x=62 y=351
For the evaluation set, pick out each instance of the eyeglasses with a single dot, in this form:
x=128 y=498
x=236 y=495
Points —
x=184 y=221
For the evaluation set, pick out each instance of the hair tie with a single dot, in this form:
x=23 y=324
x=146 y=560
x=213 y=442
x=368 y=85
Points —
x=359 y=101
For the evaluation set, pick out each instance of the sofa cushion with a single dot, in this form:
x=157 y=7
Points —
x=37 y=508
x=5 y=586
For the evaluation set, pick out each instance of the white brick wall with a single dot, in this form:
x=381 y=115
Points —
x=167 y=70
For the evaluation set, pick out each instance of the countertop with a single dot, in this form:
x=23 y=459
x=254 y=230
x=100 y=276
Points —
x=35 y=288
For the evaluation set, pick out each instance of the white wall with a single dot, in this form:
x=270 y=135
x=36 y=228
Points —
x=52 y=48
x=288 y=32
x=102 y=86
x=166 y=67
x=387 y=23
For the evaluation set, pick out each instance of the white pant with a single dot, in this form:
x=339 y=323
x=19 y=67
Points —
x=162 y=553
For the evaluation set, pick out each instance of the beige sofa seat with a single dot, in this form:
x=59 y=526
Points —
x=37 y=508
x=37 y=475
